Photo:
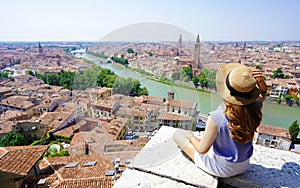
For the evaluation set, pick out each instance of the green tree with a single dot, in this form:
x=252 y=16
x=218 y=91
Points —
x=287 y=97
x=4 y=74
x=202 y=79
x=129 y=86
x=207 y=78
x=30 y=72
x=52 y=79
x=85 y=79
x=195 y=80
x=277 y=73
x=120 y=60
x=187 y=71
x=12 y=139
x=130 y=50
x=143 y=91
x=294 y=130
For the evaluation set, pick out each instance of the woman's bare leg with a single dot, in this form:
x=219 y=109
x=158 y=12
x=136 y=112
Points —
x=189 y=150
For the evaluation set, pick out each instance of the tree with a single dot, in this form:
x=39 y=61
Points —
x=186 y=74
x=279 y=74
x=12 y=139
x=175 y=76
x=202 y=79
x=30 y=72
x=143 y=91
x=195 y=80
x=130 y=50
x=294 y=130
x=52 y=79
x=207 y=78
x=4 y=74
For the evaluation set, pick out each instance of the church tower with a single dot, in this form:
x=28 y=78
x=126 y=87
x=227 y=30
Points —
x=40 y=49
x=180 y=43
x=197 y=63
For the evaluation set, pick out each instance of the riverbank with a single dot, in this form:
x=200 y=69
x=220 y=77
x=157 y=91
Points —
x=166 y=81
x=273 y=114
x=150 y=76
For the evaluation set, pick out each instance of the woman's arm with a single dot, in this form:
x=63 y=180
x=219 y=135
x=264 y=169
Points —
x=261 y=83
x=209 y=136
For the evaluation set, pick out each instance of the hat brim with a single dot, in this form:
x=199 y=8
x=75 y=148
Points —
x=224 y=91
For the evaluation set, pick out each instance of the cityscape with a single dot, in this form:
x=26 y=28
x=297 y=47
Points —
x=84 y=112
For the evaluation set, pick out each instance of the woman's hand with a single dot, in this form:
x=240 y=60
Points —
x=257 y=74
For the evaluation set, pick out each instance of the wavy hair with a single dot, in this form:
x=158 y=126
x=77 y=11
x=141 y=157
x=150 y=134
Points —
x=243 y=121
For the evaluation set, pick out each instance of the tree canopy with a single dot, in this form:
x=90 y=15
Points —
x=130 y=50
x=95 y=77
x=129 y=86
x=121 y=61
x=12 y=139
x=294 y=130
x=278 y=73
x=207 y=78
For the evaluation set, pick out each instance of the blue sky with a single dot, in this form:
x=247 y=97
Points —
x=37 y=20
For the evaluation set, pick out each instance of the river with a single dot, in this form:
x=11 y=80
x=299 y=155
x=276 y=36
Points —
x=273 y=114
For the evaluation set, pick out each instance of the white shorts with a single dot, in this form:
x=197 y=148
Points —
x=218 y=166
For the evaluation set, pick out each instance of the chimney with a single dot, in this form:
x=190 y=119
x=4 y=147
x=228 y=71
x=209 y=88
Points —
x=86 y=149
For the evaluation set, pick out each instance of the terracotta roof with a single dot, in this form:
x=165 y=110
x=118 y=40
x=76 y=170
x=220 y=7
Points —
x=17 y=101
x=78 y=175
x=86 y=183
x=54 y=119
x=6 y=126
x=174 y=117
x=115 y=127
x=20 y=159
x=132 y=112
x=181 y=104
x=273 y=130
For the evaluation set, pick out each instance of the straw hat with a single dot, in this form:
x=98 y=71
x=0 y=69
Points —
x=236 y=84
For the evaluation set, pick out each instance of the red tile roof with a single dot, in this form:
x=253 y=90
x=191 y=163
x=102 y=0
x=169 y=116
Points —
x=274 y=131
x=79 y=175
x=20 y=159
x=174 y=117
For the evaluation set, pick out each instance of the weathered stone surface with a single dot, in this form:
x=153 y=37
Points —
x=134 y=178
x=269 y=168
x=162 y=164
x=163 y=158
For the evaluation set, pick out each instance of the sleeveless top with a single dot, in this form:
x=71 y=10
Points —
x=224 y=145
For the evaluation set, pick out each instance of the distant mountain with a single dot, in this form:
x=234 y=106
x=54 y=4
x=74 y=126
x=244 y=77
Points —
x=149 y=32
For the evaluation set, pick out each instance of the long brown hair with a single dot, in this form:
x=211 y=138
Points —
x=243 y=121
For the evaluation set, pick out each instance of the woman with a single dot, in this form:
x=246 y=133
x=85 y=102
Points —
x=230 y=128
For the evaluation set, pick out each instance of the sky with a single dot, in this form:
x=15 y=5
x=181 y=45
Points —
x=90 y=20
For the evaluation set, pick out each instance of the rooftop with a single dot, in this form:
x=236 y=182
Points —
x=162 y=164
x=20 y=159
x=273 y=131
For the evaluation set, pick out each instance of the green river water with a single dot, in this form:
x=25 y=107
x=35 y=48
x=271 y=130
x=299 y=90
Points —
x=273 y=114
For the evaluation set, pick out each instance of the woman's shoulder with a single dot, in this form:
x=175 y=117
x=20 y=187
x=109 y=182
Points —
x=218 y=114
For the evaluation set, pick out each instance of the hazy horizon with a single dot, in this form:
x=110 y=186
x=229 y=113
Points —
x=90 y=20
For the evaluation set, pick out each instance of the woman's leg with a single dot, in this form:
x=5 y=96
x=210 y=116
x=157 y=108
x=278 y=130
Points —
x=190 y=151
x=182 y=139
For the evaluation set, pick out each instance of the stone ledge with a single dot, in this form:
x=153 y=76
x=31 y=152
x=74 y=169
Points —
x=269 y=168
x=162 y=159
x=162 y=164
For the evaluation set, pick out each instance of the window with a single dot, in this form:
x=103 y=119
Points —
x=267 y=142
x=179 y=111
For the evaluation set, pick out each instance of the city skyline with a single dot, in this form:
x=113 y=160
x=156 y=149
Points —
x=92 y=20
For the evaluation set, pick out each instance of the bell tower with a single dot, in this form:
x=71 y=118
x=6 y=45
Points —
x=40 y=49
x=197 y=63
